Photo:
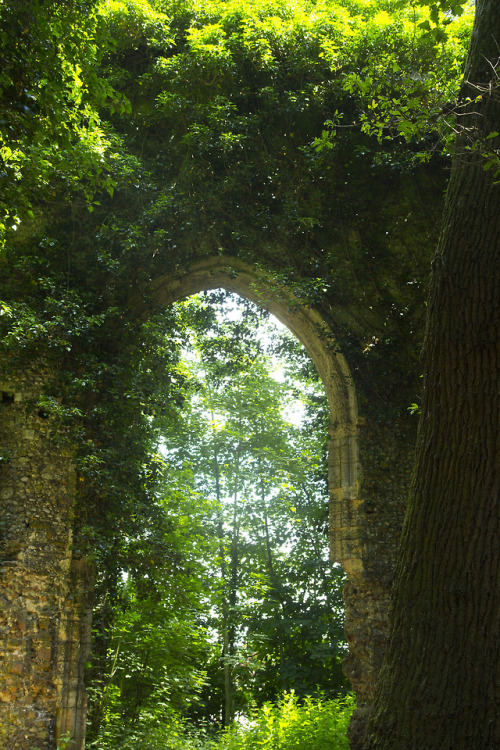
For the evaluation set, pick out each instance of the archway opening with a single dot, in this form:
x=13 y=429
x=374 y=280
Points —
x=250 y=457
x=236 y=651
x=261 y=287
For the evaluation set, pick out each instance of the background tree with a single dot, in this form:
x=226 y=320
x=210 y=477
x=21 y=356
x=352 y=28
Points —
x=268 y=477
x=239 y=570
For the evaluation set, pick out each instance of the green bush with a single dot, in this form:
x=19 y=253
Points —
x=288 y=724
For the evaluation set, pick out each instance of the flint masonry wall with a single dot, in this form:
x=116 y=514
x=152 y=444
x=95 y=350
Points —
x=44 y=606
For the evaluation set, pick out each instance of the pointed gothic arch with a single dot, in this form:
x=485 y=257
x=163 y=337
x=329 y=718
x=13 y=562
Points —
x=311 y=330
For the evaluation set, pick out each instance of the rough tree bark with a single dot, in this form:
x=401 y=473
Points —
x=440 y=685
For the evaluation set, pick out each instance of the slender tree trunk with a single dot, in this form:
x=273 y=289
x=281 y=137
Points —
x=139 y=689
x=232 y=597
x=224 y=599
x=278 y=609
x=269 y=554
x=440 y=685
x=229 y=588
x=225 y=628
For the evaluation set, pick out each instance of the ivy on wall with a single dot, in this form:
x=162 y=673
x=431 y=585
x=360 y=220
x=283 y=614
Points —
x=137 y=137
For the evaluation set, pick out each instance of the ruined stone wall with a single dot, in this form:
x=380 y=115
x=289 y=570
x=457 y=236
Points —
x=43 y=625
x=387 y=450
x=46 y=592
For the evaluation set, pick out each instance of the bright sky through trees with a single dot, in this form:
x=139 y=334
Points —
x=268 y=333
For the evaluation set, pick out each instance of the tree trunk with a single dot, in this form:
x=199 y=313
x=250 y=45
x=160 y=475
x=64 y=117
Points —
x=230 y=707
x=439 y=688
x=225 y=617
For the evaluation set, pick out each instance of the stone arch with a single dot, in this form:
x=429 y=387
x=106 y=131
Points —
x=47 y=621
x=307 y=325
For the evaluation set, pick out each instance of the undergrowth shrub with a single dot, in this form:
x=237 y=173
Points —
x=314 y=724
